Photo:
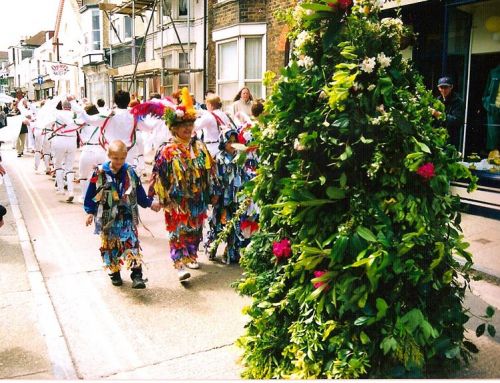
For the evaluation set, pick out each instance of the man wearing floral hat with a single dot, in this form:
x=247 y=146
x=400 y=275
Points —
x=454 y=110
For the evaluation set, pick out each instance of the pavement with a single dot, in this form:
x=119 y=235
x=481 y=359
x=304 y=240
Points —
x=32 y=347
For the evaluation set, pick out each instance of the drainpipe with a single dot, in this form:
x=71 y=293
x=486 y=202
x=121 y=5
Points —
x=205 y=47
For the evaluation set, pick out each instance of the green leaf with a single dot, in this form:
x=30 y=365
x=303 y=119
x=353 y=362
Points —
x=365 y=339
x=452 y=352
x=366 y=234
x=480 y=330
x=317 y=7
x=423 y=147
x=382 y=306
x=322 y=180
x=361 y=321
x=388 y=344
x=343 y=180
x=335 y=193
x=317 y=292
x=491 y=330
x=490 y=311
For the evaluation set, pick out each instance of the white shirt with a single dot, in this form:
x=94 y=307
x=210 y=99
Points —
x=66 y=123
x=207 y=126
x=120 y=125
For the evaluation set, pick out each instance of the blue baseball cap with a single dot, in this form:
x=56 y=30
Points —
x=445 y=81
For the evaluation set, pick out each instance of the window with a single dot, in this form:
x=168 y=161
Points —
x=166 y=7
x=227 y=71
x=183 y=9
x=183 y=77
x=253 y=66
x=174 y=80
x=240 y=63
x=116 y=33
x=176 y=8
x=127 y=27
x=96 y=30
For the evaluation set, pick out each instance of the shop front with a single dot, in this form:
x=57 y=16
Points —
x=472 y=56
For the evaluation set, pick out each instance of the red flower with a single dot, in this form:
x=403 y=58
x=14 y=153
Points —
x=344 y=4
x=332 y=5
x=426 y=171
x=248 y=227
x=317 y=274
x=282 y=249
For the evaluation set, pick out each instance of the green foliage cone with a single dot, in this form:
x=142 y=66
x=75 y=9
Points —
x=352 y=273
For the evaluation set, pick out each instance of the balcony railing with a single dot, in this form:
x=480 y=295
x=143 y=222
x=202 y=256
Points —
x=93 y=58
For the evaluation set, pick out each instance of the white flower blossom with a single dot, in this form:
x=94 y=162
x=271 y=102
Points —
x=298 y=146
x=306 y=62
x=383 y=60
x=357 y=86
x=371 y=87
x=179 y=113
x=368 y=64
x=269 y=132
x=303 y=38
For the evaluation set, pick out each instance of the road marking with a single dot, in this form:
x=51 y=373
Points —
x=60 y=358
x=113 y=349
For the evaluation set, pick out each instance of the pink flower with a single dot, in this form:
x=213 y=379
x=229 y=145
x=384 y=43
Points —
x=426 y=171
x=282 y=249
x=317 y=274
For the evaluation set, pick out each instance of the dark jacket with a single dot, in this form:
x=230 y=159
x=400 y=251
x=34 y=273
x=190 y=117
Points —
x=455 y=115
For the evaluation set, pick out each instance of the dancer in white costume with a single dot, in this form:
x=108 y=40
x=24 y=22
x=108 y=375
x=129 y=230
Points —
x=120 y=125
x=92 y=153
x=64 y=148
x=211 y=124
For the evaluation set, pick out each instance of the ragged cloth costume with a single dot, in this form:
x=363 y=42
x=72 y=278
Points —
x=113 y=199
x=230 y=176
x=183 y=179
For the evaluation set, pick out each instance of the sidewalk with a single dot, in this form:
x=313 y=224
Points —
x=23 y=351
x=483 y=235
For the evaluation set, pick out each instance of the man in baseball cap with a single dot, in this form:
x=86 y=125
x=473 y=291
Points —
x=454 y=110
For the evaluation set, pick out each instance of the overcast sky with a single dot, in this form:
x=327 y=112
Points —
x=25 y=18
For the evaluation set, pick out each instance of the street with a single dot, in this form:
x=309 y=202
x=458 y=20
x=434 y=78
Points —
x=62 y=319
x=169 y=330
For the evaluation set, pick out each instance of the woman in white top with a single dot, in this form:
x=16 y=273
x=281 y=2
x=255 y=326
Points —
x=242 y=102
x=209 y=126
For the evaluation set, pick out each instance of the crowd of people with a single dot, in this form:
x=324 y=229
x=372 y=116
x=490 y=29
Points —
x=195 y=174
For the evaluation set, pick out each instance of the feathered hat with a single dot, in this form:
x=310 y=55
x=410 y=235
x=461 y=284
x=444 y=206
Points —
x=184 y=112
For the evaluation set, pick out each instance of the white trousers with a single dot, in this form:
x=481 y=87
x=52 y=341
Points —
x=64 y=149
x=42 y=149
x=90 y=157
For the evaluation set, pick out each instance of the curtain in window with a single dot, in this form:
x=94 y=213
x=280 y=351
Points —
x=228 y=61
x=253 y=58
x=183 y=10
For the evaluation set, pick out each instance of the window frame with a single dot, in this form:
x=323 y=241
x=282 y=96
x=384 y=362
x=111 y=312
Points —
x=241 y=80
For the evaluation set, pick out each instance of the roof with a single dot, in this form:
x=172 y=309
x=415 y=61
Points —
x=38 y=39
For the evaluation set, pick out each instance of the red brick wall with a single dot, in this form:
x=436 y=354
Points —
x=233 y=12
x=276 y=34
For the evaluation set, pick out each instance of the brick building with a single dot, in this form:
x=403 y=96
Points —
x=246 y=40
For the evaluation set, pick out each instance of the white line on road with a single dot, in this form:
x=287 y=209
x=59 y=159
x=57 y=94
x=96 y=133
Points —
x=60 y=358
x=114 y=349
